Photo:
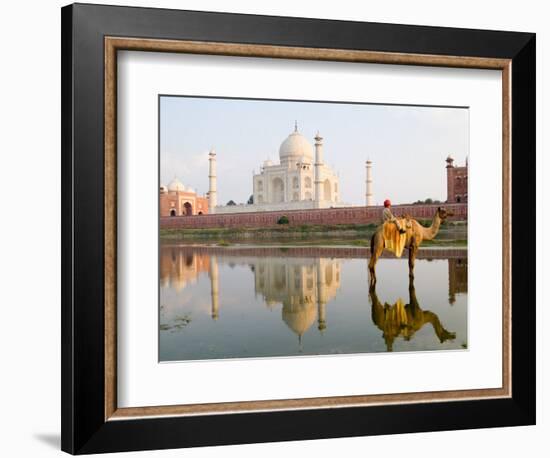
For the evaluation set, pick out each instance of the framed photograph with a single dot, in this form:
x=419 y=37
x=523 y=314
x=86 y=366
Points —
x=283 y=228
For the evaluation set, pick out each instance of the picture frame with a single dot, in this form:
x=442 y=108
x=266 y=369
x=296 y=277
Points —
x=92 y=35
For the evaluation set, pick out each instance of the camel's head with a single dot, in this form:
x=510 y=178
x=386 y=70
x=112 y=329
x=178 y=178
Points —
x=443 y=214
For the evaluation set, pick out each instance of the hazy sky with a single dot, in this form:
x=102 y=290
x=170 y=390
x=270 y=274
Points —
x=408 y=145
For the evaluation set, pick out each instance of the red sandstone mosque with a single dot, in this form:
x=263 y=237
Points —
x=179 y=200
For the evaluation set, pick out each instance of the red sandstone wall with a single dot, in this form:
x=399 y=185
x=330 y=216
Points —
x=348 y=215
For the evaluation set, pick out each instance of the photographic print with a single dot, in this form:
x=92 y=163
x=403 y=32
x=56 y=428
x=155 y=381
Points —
x=294 y=228
x=240 y=204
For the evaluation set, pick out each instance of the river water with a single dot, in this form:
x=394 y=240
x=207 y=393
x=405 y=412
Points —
x=239 y=302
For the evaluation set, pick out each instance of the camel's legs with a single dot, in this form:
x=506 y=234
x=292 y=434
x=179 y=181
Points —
x=376 y=246
x=412 y=257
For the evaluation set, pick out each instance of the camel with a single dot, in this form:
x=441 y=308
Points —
x=415 y=234
x=404 y=319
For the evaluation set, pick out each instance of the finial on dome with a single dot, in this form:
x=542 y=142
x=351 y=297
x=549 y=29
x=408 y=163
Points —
x=295 y=126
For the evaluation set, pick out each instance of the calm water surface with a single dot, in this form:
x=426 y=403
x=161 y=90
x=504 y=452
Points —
x=239 y=302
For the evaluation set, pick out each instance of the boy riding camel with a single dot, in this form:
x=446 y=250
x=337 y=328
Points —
x=387 y=215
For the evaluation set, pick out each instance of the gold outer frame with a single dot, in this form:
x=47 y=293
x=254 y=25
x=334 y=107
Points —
x=114 y=44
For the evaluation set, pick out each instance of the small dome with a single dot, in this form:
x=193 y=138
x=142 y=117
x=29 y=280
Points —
x=296 y=147
x=268 y=163
x=191 y=190
x=163 y=189
x=176 y=185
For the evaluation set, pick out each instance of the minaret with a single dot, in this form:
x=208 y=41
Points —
x=214 y=288
x=318 y=165
x=450 y=179
x=212 y=189
x=370 y=198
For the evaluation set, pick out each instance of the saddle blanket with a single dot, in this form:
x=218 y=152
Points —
x=393 y=240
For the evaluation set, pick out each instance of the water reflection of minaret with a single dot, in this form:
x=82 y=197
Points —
x=321 y=301
x=458 y=278
x=214 y=287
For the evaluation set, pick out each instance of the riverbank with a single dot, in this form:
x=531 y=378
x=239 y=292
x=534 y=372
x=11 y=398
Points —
x=450 y=234
x=289 y=243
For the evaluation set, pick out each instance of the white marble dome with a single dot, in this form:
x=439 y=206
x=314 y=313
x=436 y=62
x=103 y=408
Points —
x=296 y=147
x=163 y=189
x=176 y=185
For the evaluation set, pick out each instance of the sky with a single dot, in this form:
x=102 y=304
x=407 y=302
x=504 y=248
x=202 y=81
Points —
x=408 y=145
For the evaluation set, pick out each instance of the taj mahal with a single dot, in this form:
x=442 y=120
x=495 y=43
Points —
x=301 y=180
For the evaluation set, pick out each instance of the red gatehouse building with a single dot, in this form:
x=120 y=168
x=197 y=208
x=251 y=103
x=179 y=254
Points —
x=179 y=200
x=457 y=182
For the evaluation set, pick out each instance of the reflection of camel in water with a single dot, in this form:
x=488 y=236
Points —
x=411 y=239
x=404 y=319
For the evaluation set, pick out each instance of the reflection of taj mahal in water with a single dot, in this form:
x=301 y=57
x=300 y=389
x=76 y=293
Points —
x=302 y=286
